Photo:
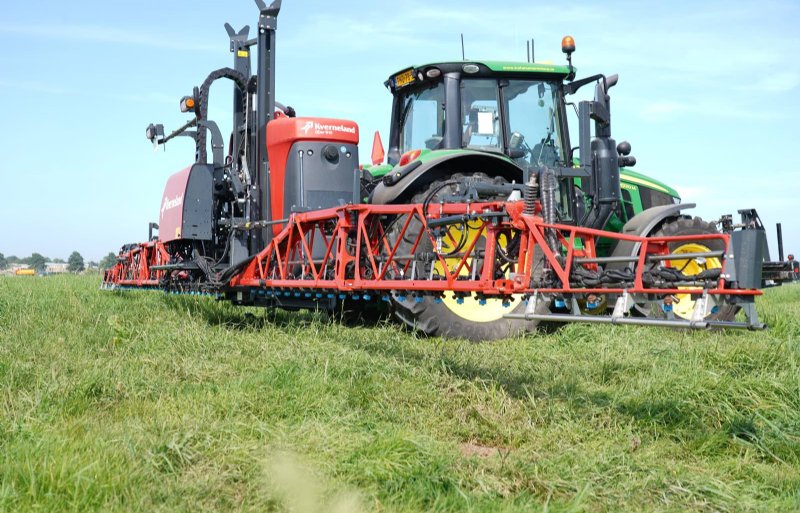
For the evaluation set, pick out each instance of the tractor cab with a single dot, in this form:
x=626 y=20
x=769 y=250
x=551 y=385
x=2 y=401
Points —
x=506 y=108
x=511 y=111
x=508 y=120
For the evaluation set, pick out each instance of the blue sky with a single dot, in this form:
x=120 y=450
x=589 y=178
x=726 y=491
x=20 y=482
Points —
x=708 y=94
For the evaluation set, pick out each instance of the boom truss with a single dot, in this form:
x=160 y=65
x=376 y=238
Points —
x=369 y=252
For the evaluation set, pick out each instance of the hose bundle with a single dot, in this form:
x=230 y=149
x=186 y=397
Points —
x=202 y=102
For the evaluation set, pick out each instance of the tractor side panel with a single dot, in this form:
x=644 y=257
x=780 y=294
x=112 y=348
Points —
x=186 y=205
x=319 y=175
x=170 y=221
x=313 y=164
x=198 y=204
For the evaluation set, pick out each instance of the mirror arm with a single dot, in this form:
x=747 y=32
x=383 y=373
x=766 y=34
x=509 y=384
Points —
x=573 y=87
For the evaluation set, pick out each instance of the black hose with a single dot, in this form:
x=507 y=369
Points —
x=549 y=185
x=202 y=103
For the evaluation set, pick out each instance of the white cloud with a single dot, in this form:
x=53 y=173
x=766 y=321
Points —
x=692 y=193
x=33 y=86
x=777 y=83
x=98 y=34
x=49 y=88
x=661 y=111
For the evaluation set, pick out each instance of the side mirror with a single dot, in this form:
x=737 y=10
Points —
x=601 y=112
x=378 y=152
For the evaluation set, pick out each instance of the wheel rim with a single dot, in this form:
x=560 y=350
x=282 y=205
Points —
x=684 y=306
x=470 y=308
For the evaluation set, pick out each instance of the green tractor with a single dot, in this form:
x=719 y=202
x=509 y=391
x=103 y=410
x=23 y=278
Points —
x=501 y=122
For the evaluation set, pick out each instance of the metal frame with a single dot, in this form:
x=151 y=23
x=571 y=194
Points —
x=360 y=258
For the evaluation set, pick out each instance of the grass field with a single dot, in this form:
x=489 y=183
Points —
x=144 y=402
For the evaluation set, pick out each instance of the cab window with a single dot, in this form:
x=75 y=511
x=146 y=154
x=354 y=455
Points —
x=533 y=122
x=423 y=119
x=480 y=115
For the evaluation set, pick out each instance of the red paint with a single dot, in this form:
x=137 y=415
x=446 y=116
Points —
x=133 y=267
x=377 y=149
x=282 y=133
x=287 y=263
x=170 y=220
x=275 y=266
x=409 y=156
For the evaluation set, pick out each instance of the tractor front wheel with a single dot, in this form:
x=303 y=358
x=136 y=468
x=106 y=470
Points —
x=683 y=304
x=449 y=317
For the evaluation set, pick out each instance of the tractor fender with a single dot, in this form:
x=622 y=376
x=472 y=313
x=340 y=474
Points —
x=642 y=224
x=414 y=175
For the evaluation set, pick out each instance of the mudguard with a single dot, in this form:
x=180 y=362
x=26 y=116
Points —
x=404 y=181
x=642 y=224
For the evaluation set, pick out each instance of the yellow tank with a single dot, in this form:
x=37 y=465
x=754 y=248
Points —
x=25 y=272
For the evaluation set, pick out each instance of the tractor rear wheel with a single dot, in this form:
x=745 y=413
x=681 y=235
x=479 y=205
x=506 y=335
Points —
x=449 y=317
x=683 y=304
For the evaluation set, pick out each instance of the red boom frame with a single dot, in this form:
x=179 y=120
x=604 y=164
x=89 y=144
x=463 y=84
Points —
x=358 y=255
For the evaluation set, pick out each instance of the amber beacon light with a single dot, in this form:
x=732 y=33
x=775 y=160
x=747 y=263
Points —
x=568 y=45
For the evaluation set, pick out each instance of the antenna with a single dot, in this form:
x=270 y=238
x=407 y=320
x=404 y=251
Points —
x=533 y=59
x=463 y=57
x=528 y=43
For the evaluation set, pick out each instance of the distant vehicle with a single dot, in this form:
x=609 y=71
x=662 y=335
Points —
x=25 y=272
x=795 y=265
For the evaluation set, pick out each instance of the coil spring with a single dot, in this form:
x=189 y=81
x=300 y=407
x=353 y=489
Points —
x=548 y=191
x=531 y=194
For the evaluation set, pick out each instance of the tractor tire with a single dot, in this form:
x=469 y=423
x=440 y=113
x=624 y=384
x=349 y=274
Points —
x=447 y=318
x=691 y=226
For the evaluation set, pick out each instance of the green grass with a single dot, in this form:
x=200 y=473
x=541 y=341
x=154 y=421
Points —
x=139 y=401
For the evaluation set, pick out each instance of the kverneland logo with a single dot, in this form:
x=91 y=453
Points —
x=171 y=203
x=320 y=128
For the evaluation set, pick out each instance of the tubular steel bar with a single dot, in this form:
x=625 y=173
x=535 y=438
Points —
x=650 y=258
x=358 y=269
x=635 y=321
x=392 y=249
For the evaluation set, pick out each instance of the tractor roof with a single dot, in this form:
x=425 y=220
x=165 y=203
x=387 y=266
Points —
x=480 y=69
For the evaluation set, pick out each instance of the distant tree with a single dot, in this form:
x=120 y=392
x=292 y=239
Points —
x=58 y=261
x=3 y=262
x=108 y=261
x=91 y=264
x=13 y=259
x=36 y=261
x=75 y=263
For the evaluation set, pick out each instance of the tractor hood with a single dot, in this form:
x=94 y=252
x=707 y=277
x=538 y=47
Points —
x=631 y=176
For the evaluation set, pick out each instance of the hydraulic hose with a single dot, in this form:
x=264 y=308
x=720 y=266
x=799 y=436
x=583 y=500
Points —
x=548 y=189
x=202 y=103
